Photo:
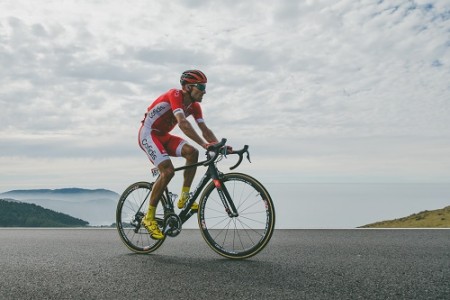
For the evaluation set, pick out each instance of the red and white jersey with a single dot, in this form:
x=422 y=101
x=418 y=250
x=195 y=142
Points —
x=160 y=114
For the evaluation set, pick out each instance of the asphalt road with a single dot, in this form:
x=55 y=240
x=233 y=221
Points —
x=297 y=264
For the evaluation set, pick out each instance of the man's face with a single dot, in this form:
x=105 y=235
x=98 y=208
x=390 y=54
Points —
x=197 y=91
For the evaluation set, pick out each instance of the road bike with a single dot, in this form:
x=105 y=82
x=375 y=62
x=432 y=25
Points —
x=236 y=214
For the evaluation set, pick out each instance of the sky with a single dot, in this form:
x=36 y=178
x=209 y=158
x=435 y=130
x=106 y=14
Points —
x=322 y=91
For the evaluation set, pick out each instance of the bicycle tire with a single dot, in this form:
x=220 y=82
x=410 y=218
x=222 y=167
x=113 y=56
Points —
x=132 y=206
x=245 y=235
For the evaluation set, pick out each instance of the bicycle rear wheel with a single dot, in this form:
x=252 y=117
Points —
x=132 y=207
x=242 y=236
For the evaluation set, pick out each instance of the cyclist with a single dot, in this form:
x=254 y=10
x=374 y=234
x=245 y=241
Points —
x=168 y=110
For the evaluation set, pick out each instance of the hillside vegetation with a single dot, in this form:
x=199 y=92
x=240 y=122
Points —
x=96 y=206
x=439 y=218
x=18 y=214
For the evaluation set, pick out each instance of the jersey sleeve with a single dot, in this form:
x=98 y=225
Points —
x=176 y=101
x=197 y=113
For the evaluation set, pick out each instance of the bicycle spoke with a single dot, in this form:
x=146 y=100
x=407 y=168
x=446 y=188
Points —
x=130 y=210
x=248 y=232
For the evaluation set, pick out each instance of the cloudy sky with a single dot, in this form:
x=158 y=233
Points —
x=322 y=91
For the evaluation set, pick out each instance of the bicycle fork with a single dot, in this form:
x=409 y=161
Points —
x=224 y=195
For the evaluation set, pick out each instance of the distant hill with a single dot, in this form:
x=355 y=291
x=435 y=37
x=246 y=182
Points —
x=96 y=206
x=439 y=218
x=17 y=214
x=66 y=193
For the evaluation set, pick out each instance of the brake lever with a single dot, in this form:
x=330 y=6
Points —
x=225 y=150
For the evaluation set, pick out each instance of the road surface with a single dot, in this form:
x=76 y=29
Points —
x=297 y=264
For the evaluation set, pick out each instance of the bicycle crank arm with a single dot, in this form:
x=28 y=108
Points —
x=172 y=225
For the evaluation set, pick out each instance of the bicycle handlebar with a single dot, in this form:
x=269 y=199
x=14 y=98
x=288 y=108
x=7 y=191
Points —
x=220 y=149
x=241 y=155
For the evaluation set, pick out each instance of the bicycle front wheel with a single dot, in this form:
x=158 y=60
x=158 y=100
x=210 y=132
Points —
x=241 y=236
x=132 y=207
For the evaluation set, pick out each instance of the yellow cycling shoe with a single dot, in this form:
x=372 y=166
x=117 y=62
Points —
x=153 y=228
x=182 y=201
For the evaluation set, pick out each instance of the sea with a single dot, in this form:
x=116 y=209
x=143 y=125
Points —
x=350 y=205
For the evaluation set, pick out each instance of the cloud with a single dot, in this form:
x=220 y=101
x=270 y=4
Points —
x=322 y=91
x=78 y=76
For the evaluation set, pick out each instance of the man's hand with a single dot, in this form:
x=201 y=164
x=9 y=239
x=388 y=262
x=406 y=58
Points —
x=207 y=145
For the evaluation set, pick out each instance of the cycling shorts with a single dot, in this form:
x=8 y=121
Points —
x=159 y=146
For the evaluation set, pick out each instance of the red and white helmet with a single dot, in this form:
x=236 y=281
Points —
x=193 y=77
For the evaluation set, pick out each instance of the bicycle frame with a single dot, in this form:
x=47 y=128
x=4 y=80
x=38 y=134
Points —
x=212 y=173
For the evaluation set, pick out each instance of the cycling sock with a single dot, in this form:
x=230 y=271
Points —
x=185 y=192
x=151 y=213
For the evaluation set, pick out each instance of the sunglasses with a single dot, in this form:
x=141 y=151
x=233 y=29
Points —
x=200 y=86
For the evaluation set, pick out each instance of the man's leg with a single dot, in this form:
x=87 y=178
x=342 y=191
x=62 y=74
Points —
x=191 y=155
x=152 y=144
x=166 y=172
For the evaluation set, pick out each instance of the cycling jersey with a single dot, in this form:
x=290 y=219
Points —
x=154 y=137
x=160 y=114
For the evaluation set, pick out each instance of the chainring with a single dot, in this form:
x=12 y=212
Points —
x=172 y=225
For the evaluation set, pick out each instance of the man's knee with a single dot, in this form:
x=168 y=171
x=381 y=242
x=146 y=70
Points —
x=190 y=153
x=166 y=170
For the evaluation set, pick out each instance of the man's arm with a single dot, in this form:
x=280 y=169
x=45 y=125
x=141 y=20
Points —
x=207 y=133
x=188 y=130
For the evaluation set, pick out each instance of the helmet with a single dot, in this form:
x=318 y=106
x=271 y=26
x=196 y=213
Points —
x=192 y=77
